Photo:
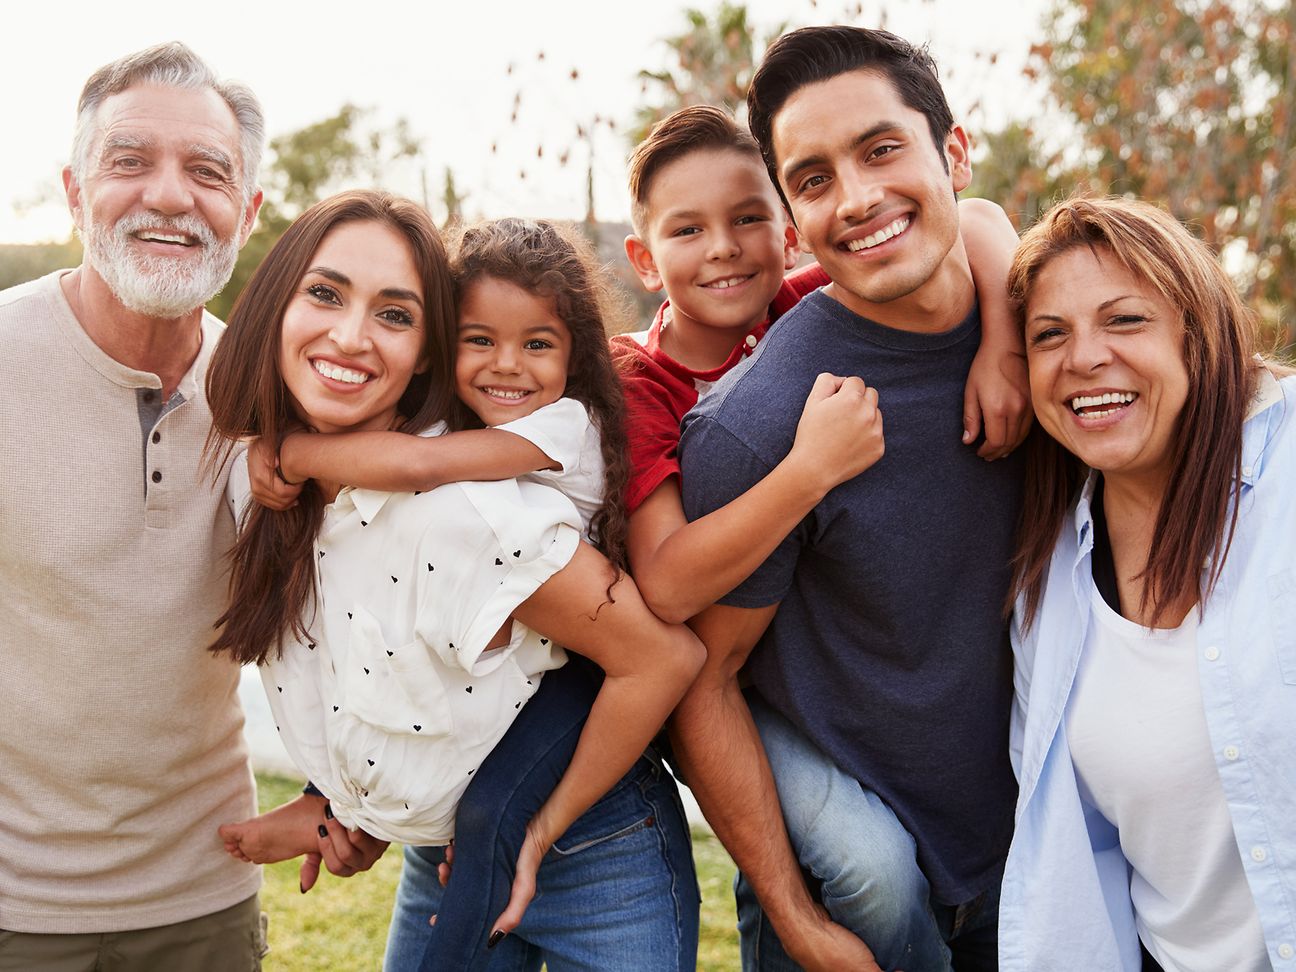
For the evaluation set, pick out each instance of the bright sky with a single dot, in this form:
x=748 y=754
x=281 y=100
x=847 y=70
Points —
x=454 y=71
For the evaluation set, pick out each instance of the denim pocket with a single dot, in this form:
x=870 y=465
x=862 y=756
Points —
x=622 y=811
x=1282 y=620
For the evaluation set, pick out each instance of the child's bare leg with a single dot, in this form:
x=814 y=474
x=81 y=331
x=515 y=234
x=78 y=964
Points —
x=283 y=833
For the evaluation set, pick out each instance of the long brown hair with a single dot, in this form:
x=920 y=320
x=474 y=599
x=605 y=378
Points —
x=554 y=262
x=272 y=571
x=1194 y=522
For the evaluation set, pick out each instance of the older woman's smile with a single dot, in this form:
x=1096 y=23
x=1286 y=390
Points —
x=1107 y=370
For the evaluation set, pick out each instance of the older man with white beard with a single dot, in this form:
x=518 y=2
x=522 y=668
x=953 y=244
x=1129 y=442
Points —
x=120 y=735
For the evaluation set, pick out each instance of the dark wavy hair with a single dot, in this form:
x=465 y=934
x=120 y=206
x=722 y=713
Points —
x=272 y=570
x=555 y=262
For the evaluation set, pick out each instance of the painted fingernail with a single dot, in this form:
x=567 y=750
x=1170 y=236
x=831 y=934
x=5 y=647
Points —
x=328 y=812
x=497 y=936
x=323 y=831
x=301 y=887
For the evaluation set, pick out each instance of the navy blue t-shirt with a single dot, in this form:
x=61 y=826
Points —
x=889 y=649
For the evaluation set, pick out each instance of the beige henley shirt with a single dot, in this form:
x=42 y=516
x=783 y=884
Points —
x=120 y=736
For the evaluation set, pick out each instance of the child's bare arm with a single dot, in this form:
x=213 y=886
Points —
x=683 y=567
x=398 y=462
x=265 y=479
x=996 y=400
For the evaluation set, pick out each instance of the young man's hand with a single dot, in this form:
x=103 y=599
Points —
x=821 y=945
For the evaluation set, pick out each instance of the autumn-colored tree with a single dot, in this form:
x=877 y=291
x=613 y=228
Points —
x=1188 y=103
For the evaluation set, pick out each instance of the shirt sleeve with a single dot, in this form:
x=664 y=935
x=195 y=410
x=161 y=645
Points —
x=716 y=469
x=558 y=430
x=653 y=433
x=478 y=564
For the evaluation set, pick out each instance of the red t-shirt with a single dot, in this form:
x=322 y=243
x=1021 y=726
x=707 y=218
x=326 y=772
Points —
x=659 y=390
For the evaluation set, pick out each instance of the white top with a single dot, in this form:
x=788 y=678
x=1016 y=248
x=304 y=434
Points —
x=1143 y=757
x=394 y=703
x=563 y=432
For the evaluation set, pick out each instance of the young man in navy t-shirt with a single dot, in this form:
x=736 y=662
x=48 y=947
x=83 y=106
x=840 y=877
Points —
x=873 y=637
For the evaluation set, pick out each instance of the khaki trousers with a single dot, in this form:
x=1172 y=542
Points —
x=233 y=940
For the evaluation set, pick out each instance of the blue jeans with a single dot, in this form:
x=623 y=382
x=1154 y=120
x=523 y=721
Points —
x=864 y=864
x=617 y=891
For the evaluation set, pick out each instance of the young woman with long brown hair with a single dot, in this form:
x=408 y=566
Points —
x=400 y=633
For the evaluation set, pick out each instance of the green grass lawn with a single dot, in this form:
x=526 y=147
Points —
x=341 y=925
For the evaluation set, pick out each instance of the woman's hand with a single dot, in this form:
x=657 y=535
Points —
x=535 y=845
x=344 y=852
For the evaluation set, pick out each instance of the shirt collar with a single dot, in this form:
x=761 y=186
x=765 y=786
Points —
x=366 y=502
x=1255 y=434
x=1082 y=519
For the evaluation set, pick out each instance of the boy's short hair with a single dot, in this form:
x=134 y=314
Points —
x=814 y=54
x=692 y=129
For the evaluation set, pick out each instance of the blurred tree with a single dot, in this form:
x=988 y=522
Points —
x=452 y=199
x=1015 y=170
x=305 y=166
x=21 y=262
x=715 y=59
x=1187 y=103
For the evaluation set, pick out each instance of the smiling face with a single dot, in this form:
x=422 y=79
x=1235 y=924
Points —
x=872 y=197
x=513 y=351
x=717 y=239
x=1106 y=359
x=353 y=332
x=160 y=205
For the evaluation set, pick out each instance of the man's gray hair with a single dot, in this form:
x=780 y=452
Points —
x=173 y=65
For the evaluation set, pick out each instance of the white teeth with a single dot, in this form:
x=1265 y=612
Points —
x=1107 y=398
x=340 y=374
x=726 y=283
x=881 y=236
x=512 y=394
x=154 y=237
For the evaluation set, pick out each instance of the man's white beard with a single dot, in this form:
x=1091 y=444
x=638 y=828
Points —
x=159 y=286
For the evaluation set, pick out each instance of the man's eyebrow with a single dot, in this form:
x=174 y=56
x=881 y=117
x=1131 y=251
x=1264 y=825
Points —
x=794 y=166
x=119 y=142
x=216 y=156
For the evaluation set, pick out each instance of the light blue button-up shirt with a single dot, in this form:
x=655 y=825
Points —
x=1066 y=902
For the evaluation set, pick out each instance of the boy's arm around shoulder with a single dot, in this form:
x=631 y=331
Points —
x=996 y=399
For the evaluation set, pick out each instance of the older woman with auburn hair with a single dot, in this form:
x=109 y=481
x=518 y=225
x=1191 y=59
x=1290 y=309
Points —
x=1154 y=734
